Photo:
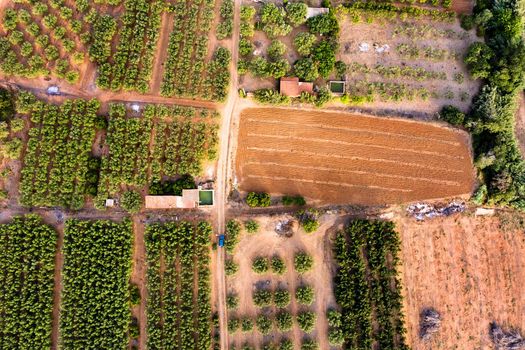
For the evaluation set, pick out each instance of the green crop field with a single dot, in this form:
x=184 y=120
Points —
x=95 y=310
x=27 y=264
x=179 y=305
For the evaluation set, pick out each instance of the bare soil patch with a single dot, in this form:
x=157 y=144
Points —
x=268 y=243
x=470 y=270
x=347 y=158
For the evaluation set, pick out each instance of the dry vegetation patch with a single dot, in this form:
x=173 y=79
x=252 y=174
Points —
x=471 y=271
x=344 y=158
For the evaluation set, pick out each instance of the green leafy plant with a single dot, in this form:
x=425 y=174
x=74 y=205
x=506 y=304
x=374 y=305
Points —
x=251 y=226
x=303 y=262
x=278 y=266
x=304 y=295
x=260 y=265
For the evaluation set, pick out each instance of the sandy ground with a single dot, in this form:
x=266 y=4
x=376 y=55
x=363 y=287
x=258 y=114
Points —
x=345 y=158
x=381 y=33
x=138 y=277
x=267 y=243
x=467 y=268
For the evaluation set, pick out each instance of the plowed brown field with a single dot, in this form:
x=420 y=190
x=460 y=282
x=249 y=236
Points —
x=344 y=158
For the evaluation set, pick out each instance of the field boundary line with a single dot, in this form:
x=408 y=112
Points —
x=331 y=183
x=338 y=142
x=361 y=172
x=328 y=155
x=340 y=128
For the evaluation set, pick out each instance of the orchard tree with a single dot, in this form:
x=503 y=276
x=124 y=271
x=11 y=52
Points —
x=296 y=13
x=306 y=69
x=478 y=60
x=276 y=49
x=304 y=42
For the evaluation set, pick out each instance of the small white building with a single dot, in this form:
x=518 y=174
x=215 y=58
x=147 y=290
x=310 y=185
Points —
x=316 y=11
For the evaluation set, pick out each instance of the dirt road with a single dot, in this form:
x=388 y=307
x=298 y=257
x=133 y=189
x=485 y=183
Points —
x=223 y=165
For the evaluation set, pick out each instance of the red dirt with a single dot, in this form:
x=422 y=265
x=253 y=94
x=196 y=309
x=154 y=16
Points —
x=463 y=6
x=345 y=158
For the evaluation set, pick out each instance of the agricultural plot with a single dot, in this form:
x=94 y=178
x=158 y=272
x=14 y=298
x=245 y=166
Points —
x=343 y=158
x=470 y=270
x=188 y=70
x=164 y=142
x=57 y=153
x=131 y=64
x=178 y=282
x=279 y=288
x=43 y=37
x=403 y=62
x=367 y=288
x=27 y=263
x=95 y=311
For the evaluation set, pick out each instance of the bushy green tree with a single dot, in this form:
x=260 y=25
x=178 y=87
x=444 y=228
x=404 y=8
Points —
x=303 y=262
x=230 y=267
x=336 y=337
x=247 y=325
x=306 y=69
x=233 y=325
x=334 y=318
x=276 y=49
x=478 y=60
x=296 y=13
x=260 y=265
x=7 y=106
x=251 y=226
x=281 y=298
x=270 y=96
x=273 y=20
x=262 y=298
x=232 y=301
x=324 y=56
x=264 y=324
x=131 y=201
x=306 y=321
x=258 y=199
x=278 y=265
x=452 y=115
x=305 y=295
x=284 y=321
x=325 y=24
x=304 y=42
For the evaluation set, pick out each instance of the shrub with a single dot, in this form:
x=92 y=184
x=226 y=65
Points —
x=293 y=200
x=251 y=226
x=233 y=325
x=323 y=24
x=270 y=96
x=260 y=265
x=286 y=344
x=296 y=13
x=247 y=325
x=232 y=301
x=262 y=298
x=452 y=115
x=245 y=47
x=334 y=318
x=17 y=125
x=281 y=298
x=278 y=265
x=258 y=199
x=305 y=295
x=310 y=225
x=276 y=49
x=304 y=42
x=230 y=267
x=306 y=69
x=134 y=294
x=336 y=337
x=131 y=201
x=303 y=262
x=309 y=344
x=233 y=228
x=306 y=321
x=284 y=321
x=264 y=324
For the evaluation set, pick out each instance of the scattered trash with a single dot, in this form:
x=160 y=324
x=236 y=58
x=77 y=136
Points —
x=53 y=90
x=387 y=216
x=429 y=323
x=286 y=228
x=364 y=47
x=422 y=211
x=381 y=48
x=485 y=212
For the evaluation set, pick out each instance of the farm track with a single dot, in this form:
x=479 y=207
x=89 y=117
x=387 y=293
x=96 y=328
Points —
x=367 y=161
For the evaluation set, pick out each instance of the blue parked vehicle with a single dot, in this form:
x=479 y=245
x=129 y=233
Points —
x=221 y=240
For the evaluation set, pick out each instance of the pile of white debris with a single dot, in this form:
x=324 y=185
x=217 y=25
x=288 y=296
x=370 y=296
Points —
x=422 y=211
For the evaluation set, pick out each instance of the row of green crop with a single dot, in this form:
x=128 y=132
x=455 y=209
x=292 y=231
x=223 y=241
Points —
x=383 y=10
x=131 y=66
x=27 y=262
x=179 y=305
x=57 y=153
x=164 y=141
x=366 y=285
x=95 y=309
